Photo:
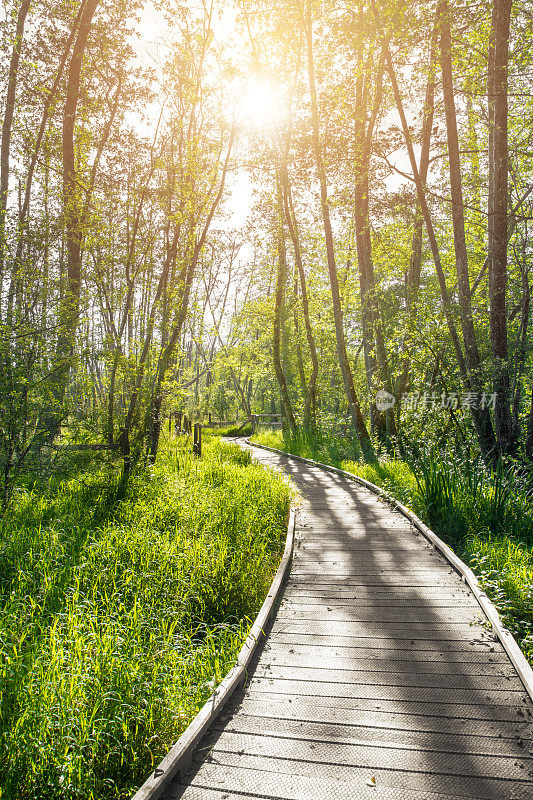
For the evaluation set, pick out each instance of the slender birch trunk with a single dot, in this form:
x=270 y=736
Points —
x=7 y=126
x=498 y=198
x=472 y=356
x=344 y=364
x=278 y=312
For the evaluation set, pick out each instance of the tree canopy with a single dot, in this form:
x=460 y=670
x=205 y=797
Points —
x=314 y=209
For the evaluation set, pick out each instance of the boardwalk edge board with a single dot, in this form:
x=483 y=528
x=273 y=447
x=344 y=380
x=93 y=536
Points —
x=178 y=759
x=507 y=640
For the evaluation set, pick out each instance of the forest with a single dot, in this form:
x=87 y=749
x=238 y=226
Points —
x=312 y=214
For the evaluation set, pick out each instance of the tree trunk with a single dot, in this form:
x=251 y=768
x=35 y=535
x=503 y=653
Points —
x=521 y=349
x=371 y=320
x=292 y=224
x=367 y=326
x=7 y=127
x=529 y=437
x=473 y=359
x=297 y=336
x=48 y=104
x=344 y=364
x=415 y=261
x=70 y=301
x=497 y=218
x=278 y=311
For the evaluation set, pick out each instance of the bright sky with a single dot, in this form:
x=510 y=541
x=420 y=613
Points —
x=255 y=101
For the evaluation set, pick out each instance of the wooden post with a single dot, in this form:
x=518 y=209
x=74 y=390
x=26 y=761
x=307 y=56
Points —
x=209 y=418
x=197 y=443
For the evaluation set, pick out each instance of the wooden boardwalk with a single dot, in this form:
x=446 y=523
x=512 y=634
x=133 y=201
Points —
x=379 y=678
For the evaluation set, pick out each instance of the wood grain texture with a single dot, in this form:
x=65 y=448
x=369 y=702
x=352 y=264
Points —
x=380 y=677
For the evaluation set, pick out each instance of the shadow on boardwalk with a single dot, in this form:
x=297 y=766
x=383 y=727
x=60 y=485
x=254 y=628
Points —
x=377 y=679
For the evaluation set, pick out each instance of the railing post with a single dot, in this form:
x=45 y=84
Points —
x=197 y=443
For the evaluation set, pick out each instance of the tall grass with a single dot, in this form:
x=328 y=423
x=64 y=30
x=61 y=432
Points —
x=118 y=617
x=329 y=445
x=486 y=517
x=234 y=430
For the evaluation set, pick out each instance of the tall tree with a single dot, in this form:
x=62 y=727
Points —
x=281 y=280
x=70 y=300
x=342 y=355
x=7 y=126
x=498 y=203
x=292 y=224
x=473 y=359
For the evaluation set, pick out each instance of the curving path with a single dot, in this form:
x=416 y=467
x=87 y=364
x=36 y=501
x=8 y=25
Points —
x=379 y=678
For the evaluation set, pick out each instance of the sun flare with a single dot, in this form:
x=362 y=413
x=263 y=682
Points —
x=259 y=104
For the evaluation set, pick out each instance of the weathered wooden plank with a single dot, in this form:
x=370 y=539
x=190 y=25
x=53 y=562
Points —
x=354 y=548
x=433 y=657
x=237 y=771
x=377 y=562
x=354 y=568
x=458 y=644
x=384 y=592
x=376 y=557
x=379 y=582
x=501 y=723
x=286 y=787
x=515 y=713
x=294 y=688
x=408 y=677
x=420 y=615
x=307 y=601
x=357 y=735
x=391 y=756
x=373 y=628
x=332 y=659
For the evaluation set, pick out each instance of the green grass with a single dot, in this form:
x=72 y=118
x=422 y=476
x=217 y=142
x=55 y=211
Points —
x=117 y=618
x=330 y=447
x=234 y=430
x=486 y=518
